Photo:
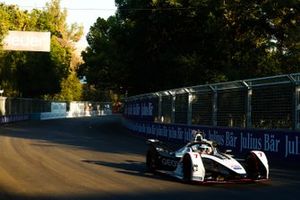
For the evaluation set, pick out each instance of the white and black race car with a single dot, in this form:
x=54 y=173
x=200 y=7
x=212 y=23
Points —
x=201 y=161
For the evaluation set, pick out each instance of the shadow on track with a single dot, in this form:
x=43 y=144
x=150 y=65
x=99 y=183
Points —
x=195 y=192
x=103 y=134
x=133 y=168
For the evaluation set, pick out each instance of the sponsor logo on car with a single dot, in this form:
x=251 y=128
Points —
x=169 y=162
x=236 y=167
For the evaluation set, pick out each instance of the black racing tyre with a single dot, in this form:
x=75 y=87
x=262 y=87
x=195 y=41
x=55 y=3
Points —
x=151 y=159
x=187 y=168
x=252 y=164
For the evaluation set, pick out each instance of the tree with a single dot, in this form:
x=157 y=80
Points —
x=32 y=74
x=153 y=45
x=102 y=66
x=71 y=89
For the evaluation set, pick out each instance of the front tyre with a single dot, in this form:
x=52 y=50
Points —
x=187 y=168
x=151 y=160
x=255 y=169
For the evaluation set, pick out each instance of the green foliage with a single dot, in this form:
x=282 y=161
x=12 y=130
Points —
x=37 y=74
x=71 y=89
x=3 y=23
x=152 y=45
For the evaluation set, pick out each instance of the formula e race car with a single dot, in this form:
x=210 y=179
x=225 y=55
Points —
x=201 y=161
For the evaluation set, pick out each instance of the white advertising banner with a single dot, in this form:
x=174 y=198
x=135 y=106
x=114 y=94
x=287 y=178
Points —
x=27 y=41
x=57 y=107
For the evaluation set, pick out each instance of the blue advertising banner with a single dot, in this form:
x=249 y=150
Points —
x=13 y=118
x=140 y=110
x=276 y=144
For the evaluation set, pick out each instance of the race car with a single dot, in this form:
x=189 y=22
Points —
x=201 y=161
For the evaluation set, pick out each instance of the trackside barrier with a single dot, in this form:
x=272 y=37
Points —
x=76 y=109
x=13 y=118
x=276 y=144
x=18 y=109
x=262 y=113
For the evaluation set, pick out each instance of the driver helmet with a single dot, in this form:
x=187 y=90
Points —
x=204 y=148
x=197 y=135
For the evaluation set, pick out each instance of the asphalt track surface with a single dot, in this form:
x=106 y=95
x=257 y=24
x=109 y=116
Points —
x=96 y=158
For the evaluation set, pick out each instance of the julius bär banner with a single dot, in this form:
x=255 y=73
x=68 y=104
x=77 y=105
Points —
x=276 y=144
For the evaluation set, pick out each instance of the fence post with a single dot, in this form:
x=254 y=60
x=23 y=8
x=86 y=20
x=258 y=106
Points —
x=10 y=112
x=173 y=108
x=159 y=107
x=214 y=106
x=296 y=99
x=248 y=105
x=296 y=124
x=2 y=106
x=189 y=109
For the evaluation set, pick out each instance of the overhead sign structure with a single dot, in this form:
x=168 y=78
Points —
x=27 y=41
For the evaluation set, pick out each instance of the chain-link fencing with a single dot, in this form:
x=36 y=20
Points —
x=267 y=103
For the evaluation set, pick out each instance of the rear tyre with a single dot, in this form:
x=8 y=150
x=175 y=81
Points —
x=187 y=168
x=151 y=159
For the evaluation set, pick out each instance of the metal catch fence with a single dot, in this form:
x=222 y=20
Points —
x=267 y=103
